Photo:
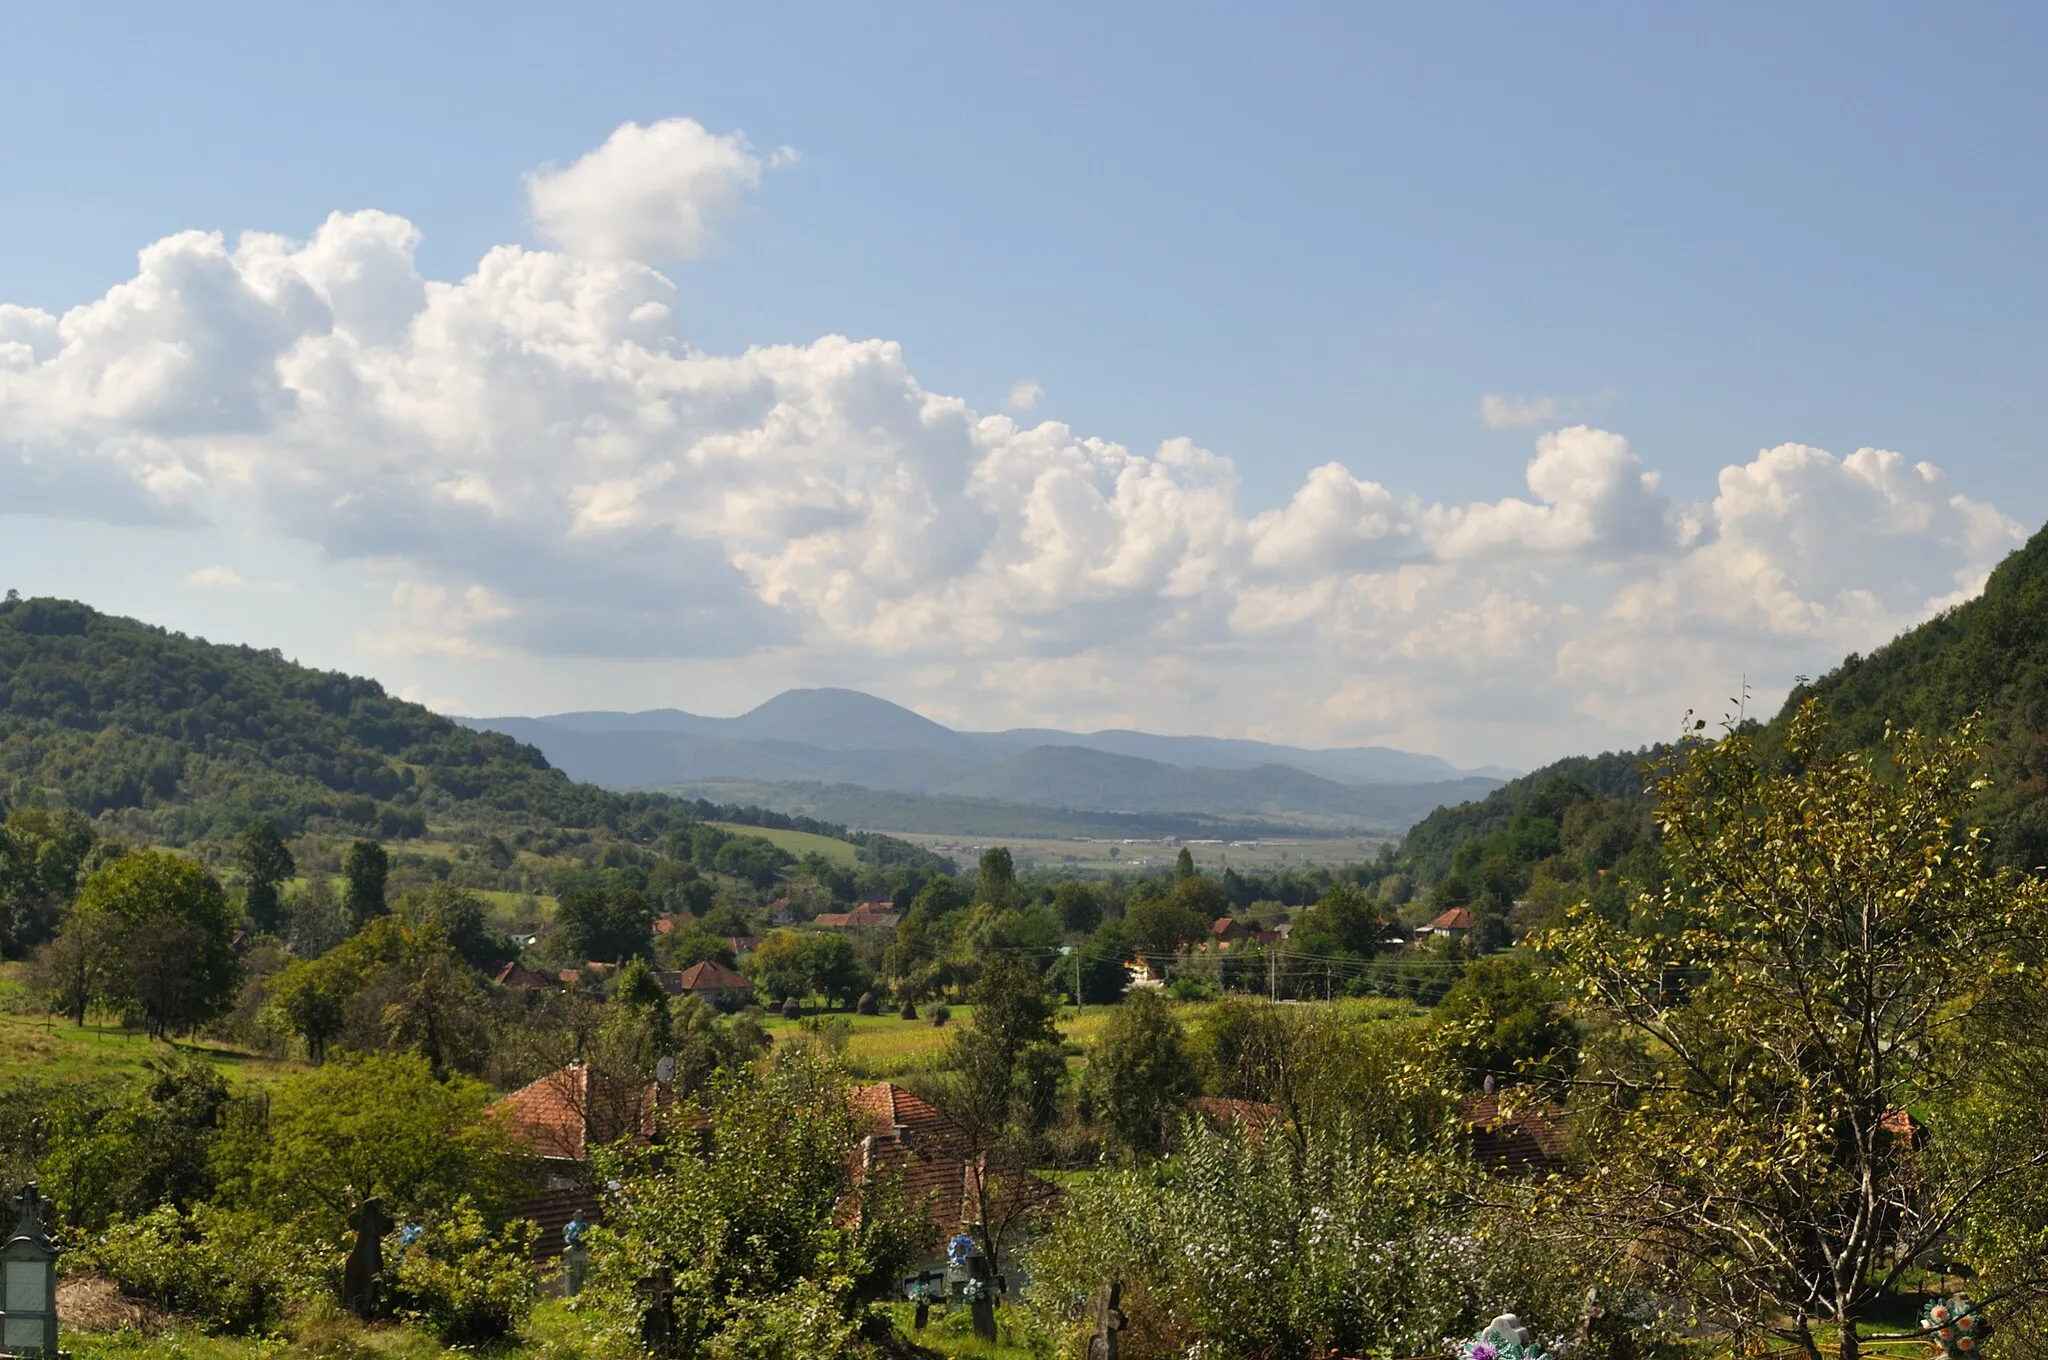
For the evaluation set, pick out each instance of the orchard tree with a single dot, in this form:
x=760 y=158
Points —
x=1779 y=1118
x=158 y=932
x=1140 y=1076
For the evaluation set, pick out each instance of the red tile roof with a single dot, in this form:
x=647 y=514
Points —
x=567 y=1112
x=1457 y=918
x=512 y=975
x=1531 y=1139
x=1222 y=1112
x=712 y=976
x=911 y=1139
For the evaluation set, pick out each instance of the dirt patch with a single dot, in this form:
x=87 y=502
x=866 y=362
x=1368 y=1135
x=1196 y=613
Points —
x=94 y=1303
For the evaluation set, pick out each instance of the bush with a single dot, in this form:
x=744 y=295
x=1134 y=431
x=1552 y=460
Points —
x=462 y=1282
x=231 y=1271
x=941 y=1013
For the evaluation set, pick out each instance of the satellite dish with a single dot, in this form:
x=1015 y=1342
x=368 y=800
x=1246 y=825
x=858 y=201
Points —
x=665 y=1071
x=1489 y=1076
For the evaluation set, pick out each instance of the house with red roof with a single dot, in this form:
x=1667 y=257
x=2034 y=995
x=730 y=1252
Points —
x=864 y=916
x=711 y=982
x=525 y=979
x=1454 y=924
x=908 y=1138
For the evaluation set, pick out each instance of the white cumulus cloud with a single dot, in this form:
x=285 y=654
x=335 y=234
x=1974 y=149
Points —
x=533 y=465
x=649 y=193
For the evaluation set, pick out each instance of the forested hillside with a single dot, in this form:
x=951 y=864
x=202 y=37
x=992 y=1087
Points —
x=1988 y=656
x=185 y=739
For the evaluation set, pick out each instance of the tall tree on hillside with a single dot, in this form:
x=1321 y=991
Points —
x=365 y=866
x=42 y=857
x=266 y=862
x=161 y=932
x=607 y=924
x=1005 y=1069
x=997 y=881
x=1785 y=1110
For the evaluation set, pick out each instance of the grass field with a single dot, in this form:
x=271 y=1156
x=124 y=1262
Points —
x=885 y=1047
x=797 y=842
x=57 y=1050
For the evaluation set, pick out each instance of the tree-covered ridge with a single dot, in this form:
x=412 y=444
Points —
x=109 y=713
x=1987 y=656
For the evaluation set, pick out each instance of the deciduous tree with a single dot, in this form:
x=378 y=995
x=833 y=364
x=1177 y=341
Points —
x=1781 y=1131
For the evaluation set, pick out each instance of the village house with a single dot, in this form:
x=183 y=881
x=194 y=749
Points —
x=711 y=982
x=524 y=979
x=864 y=916
x=1454 y=924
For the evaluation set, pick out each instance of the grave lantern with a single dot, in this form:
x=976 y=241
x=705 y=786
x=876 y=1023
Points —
x=28 y=1282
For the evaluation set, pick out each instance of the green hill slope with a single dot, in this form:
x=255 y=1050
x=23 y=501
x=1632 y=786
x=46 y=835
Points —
x=1988 y=656
x=178 y=739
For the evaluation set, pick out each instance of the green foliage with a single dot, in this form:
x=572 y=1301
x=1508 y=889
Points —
x=610 y=923
x=466 y=1283
x=42 y=858
x=151 y=1146
x=1988 y=657
x=1808 y=972
x=1320 y=1069
x=230 y=1271
x=463 y=920
x=362 y=1126
x=997 y=879
x=798 y=964
x=266 y=861
x=387 y=988
x=772 y=1247
x=1104 y=978
x=1246 y=1245
x=1504 y=1019
x=365 y=866
x=153 y=934
x=1162 y=925
x=1078 y=907
x=1140 y=1075
x=1344 y=922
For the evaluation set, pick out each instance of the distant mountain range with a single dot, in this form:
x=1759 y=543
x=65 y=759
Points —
x=842 y=737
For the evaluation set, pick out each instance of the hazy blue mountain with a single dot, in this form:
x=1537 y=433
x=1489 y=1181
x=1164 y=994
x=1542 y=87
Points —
x=842 y=737
x=1346 y=765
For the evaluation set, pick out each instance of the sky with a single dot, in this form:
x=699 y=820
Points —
x=1498 y=381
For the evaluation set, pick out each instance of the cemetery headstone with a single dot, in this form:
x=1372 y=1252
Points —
x=980 y=1294
x=1106 y=1319
x=658 y=1323
x=364 y=1273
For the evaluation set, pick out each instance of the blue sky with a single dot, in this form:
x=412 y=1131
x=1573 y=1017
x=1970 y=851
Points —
x=1294 y=235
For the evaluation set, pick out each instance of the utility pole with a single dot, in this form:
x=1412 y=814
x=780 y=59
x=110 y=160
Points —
x=1273 y=971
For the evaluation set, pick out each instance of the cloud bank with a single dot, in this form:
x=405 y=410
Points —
x=544 y=466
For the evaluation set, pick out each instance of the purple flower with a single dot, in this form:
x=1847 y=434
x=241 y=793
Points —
x=1483 y=1350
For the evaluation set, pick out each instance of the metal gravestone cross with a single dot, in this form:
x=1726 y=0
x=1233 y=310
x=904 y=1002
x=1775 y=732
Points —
x=1106 y=1319
x=365 y=1270
x=980 y=1294
x=28 y=1282
x=658 y=1323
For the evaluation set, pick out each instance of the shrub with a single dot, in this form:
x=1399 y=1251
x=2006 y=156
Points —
x=941 y=1013
x=231 y=1271
x=462 y=1282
